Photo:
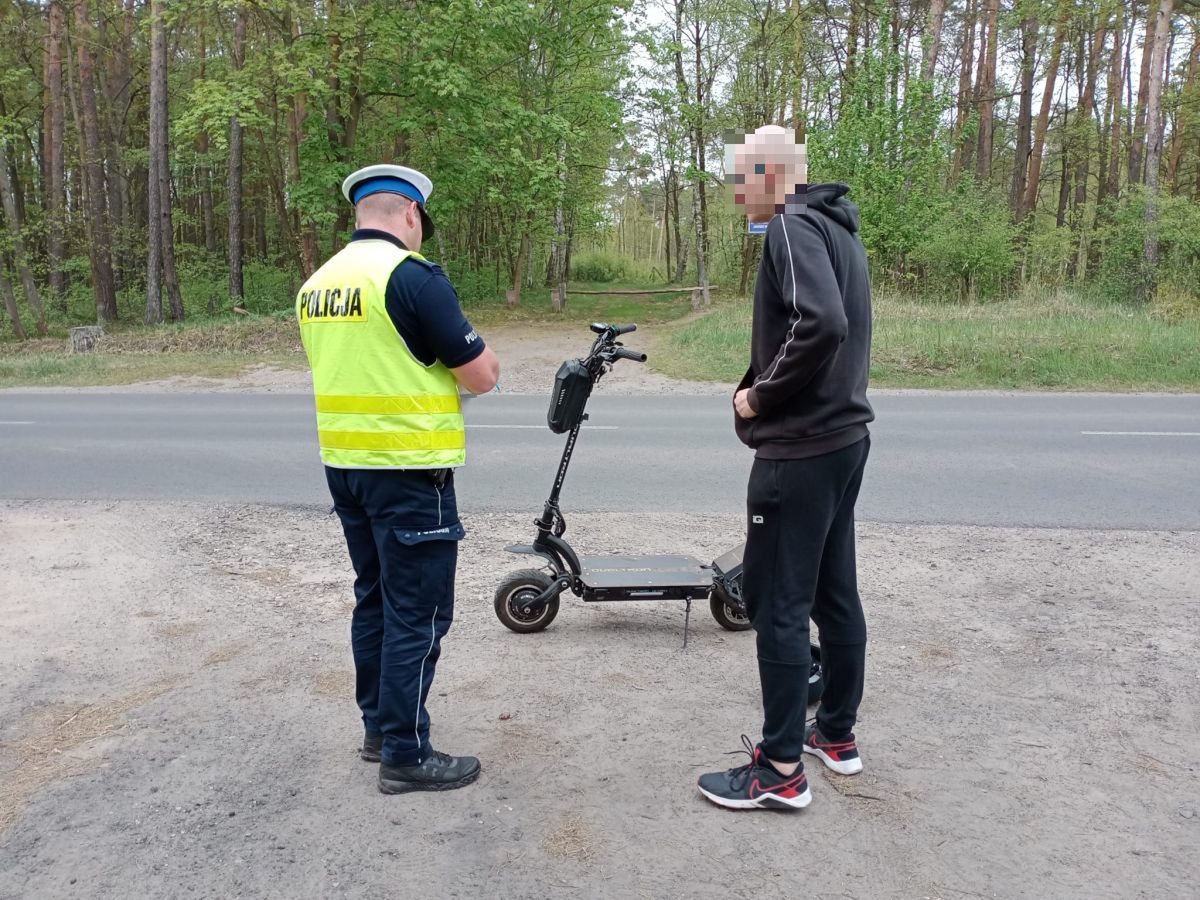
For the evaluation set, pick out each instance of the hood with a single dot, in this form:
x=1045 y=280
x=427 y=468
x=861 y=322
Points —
x=831 y=200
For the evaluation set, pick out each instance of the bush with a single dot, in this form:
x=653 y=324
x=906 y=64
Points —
x=1120 y=245
x=1175 y=303
x=969 y=244
x=598 y=267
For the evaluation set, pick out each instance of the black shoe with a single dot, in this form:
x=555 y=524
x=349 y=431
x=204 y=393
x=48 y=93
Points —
x=372 y=747
x=840 y=756
x=756 y=785
x=441 y=772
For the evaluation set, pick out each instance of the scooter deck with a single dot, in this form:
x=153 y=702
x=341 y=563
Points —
x=644 y=578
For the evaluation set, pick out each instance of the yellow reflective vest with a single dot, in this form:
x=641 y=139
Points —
x=378 y=406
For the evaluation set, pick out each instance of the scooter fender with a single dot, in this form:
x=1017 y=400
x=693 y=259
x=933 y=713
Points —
x=530 y=550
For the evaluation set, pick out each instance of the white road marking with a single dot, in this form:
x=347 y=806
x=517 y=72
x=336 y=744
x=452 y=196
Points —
x=1146 y=433
x=17 y=423
x=544 y=428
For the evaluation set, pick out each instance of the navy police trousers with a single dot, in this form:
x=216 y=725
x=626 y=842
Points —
x=402 y=531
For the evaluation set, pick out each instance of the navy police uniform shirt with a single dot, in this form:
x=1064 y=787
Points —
x=424 y=307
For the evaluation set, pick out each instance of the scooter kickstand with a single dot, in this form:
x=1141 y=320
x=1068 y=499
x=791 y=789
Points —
x=687 y=616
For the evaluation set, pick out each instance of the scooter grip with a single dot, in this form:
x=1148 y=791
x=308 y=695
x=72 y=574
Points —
x=623 y=353
x=625 y=329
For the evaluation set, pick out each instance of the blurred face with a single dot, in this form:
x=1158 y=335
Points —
x=769 y=172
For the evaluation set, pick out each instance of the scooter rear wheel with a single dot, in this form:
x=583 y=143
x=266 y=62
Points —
x=729 y=614
x=518 y=589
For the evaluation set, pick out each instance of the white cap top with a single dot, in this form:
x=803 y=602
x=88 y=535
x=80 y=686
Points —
x=411 y=177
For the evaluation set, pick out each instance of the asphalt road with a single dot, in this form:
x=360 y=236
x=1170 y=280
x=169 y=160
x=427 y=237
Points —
x=1104 y=461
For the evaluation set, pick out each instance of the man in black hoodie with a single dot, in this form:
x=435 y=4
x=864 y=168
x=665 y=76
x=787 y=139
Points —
x=802 y=406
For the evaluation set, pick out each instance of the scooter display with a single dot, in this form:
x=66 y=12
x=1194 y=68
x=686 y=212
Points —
x=527 y=600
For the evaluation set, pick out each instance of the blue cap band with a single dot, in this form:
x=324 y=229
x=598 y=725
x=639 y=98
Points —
x=386 y=184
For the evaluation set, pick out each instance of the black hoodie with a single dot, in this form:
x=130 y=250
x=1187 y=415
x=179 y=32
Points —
x=811 y=340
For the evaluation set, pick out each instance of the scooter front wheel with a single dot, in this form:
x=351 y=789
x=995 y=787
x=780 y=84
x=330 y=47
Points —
x=515 y=592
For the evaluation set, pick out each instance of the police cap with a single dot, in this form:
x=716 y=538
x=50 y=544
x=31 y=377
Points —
x=386 y=178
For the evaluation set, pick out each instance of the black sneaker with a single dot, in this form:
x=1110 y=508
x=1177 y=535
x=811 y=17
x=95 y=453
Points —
x=372 y=747
x=841 y=755
x=756 y=785
x=440 y=772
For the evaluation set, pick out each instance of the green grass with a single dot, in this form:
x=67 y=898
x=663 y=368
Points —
x=102 y=369
x=1046 y=342
x=214 y=348
x=1043 y=343
x=226 y=346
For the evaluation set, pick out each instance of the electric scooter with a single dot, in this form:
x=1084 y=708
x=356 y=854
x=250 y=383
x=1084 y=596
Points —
x=527 y=600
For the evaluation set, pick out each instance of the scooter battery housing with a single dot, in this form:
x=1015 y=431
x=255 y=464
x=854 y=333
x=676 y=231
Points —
x=572 y=385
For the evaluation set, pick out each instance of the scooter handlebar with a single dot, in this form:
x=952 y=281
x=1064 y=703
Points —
x=601 y=328
x=623 y=353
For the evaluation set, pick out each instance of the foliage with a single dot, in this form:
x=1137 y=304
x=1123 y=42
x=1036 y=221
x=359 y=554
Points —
x=598 y=266
x=968 y=243
x=1118 y=245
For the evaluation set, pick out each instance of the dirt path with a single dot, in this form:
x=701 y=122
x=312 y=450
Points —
x=177 y=719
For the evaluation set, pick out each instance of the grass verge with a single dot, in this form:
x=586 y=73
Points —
x=227 y=347
x=1039 y=343
x=203 y=348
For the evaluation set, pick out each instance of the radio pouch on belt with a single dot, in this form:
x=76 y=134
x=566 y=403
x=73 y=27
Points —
x=572 y=385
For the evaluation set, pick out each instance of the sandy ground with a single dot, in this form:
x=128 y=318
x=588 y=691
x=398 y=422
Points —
x=177 y=720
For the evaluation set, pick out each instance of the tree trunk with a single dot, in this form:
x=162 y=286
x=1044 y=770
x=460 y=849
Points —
x=1154 y=139
x=1085 y=113
x=296 y=114
x=1043 y=119
x=154 y=222
x=204 y=172
x=56 y=199
x=699 y=194
x=115 y=90
x=798 y=22
x=236 y=286
x=1029 y=36
x=963 y=112
x=260 y=228
x=987 y=93
x=10 y=304
x=99 y=242
x=1137 y=146
x=1064 y=190
x=1185 y=116
x=13 y=221
x=1110 y=185
x=160 y=170
x=853 y=28
x=667 y=227
x=937 y=14
x=680 y=250
x=514 y=296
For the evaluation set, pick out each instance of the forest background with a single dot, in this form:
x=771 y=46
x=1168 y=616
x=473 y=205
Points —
x=1028 y=170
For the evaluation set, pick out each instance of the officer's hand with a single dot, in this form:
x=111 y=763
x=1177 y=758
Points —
x=741 y=404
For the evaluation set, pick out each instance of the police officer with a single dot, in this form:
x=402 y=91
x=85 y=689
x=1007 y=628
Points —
x=389 y=348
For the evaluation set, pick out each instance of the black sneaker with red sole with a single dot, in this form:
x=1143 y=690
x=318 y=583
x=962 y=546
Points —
x=756 y=785
x=840 y=756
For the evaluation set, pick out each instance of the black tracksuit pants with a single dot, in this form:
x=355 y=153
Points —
x=800 y=564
